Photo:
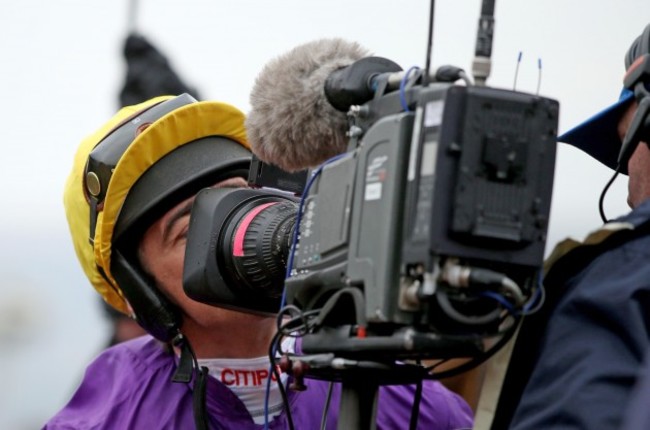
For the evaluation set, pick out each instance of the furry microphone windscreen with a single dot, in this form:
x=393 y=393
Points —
x=291 y=123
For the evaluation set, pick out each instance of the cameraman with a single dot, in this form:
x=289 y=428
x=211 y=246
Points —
x=128 y=201
x=599 y=332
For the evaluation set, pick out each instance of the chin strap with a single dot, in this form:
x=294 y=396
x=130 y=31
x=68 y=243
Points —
x=200 y=414
x=184 y=373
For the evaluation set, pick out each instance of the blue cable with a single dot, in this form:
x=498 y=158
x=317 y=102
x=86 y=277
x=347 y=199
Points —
x=538 y=299
x=402 y=88
x=499 y=298
x=533 y=303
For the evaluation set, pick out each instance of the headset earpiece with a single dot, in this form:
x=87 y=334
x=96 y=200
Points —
x=637 y=79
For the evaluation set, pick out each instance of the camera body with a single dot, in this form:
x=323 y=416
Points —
x=467 y=176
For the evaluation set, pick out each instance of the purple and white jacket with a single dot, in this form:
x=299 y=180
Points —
x=129 y=387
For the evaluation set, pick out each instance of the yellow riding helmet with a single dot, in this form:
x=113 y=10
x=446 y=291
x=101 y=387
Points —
x=142 y=162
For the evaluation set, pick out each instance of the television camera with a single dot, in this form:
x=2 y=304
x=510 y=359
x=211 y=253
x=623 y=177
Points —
x=424 y=239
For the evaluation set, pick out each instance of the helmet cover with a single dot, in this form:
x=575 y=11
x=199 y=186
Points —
x=183 y=125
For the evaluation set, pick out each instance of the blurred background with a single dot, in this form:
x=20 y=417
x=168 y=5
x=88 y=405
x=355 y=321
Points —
x=62 y=70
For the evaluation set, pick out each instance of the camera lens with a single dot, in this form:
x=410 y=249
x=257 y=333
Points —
x=256 y=250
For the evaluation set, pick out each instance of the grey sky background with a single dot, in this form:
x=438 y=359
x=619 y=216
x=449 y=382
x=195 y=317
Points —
x=61 y=70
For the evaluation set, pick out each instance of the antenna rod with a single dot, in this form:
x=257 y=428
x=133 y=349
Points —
x=427 y=66
x=482 y=63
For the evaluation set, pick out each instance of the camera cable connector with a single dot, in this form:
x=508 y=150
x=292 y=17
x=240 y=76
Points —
x=417 y=288
x=458 y=275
